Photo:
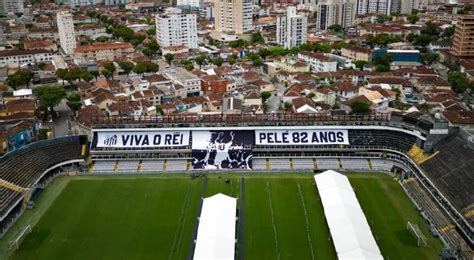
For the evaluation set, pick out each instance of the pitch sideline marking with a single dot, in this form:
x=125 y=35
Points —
x=181 y=221
x=306 y=220
x=273 y=221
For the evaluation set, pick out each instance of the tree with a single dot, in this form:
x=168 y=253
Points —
x=413 y=18
x=20 y=78
x=459 y=82
x=106 y=73
x=422 y=40
x=335 y=28
x=169 y=58
x=102 y=39
x=360 y=64
x=109 y=66
x=188 y=65
x=232 y=59
x=383 y=18
x=14 y=81
x=95 y=73
x=360 y=107
x=430 y=29
x=61 y=73
x=41 y=65
x=258 y=63
x=49 y=96
x=430 y=58
x=86 y=75
x=448 y=32
x=311 y=95
x=74 y=101
x=265 y=95
x=288 y=106
x=218 y=61
x=126 y=66
x=200 y=60
x=257 y=37
x=382 y=63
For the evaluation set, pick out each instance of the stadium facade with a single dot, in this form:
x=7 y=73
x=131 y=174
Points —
x=433 y=161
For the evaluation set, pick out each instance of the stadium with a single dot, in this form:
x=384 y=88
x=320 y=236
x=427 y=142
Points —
x=149 y=187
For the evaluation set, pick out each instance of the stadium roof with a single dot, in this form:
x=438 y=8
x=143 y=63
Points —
x=349 y=229
x=216 y=231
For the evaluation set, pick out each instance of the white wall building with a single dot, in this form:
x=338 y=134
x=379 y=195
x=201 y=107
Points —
x=330 y=12
x=190 y=3
x=11 y=6
x=318 y=61
x=176 y=29
x=291 y=28
x=374 y=6
x=73 y=3
x=116 y=2
x=21 y=57
x=189 y=81
x=233 y=16
x=67 y=37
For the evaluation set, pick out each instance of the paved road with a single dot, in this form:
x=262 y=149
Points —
x=63 y=123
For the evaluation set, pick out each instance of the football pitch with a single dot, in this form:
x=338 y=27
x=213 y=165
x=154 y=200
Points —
x=280 y=217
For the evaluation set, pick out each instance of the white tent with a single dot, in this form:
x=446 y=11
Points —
x=216 y=231
x=349 y=229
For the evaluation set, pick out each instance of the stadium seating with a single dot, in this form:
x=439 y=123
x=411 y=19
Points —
x=280 y=164
x=152 y=166
x=176 y=165
x=327 y=164
x=435 y=216
x=452 y=170
x=381 y=165
x=397 y=140
x=128 y=166
x=25 y=166
x=355 y=164
x=259 y=164
x=302 y=164
x=104 y=166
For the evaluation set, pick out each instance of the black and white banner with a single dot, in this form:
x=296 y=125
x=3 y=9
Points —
x=224 y=149
x=301 y=137
x=142 y=139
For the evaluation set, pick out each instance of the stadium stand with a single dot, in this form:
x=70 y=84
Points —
x=452 y=170
x=259 y=164
x=152 y=166
x=436 y=217
x=355 y=164
x=128 y=166
x=104 y=166
x=302 y=164
x=280 y=164
x=30 y=165
x=175 y=165
x=328 y=164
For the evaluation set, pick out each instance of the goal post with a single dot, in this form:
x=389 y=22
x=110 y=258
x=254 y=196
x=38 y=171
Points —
x=416 y=232
x=15 y=242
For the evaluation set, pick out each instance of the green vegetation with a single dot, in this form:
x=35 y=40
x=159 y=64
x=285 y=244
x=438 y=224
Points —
x=360 y=107
x=20 y=78
x=388 y=210
x=132 y=217
x=459 y=82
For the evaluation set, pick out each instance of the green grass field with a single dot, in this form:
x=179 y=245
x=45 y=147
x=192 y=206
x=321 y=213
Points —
x=153 y=218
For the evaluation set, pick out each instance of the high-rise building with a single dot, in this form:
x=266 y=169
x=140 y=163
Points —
x=374 y=7
x=73 y=3
x=175 y=28
x=463 y=43
x=291 y=28
x=11 y=6
x=67 y=37
x=233 y=16
x=330 y=12
x=116 y=2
